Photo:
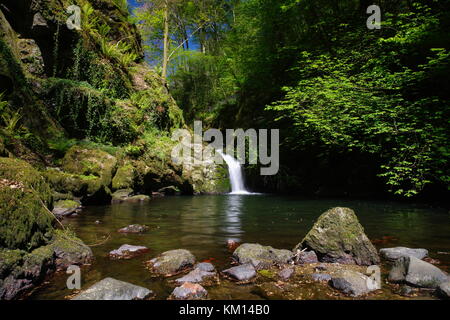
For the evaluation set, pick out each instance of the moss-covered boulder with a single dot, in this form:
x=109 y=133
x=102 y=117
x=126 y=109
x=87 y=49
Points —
x=337 y=236
x=69 y=250
x=20 y=271
x=25 y=222
x=261 y=256
x=87 y=174
x=72 y=184
x=90 y=162
x=204 y=173
x=171 y=262
x=124 y=178
x=64 y=208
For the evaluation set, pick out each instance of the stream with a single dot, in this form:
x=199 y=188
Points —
x=203 y=224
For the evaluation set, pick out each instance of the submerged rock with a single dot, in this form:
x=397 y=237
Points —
x=112 y=289
x=261 y=256
x=352 y=283
x=444 y=289
x=417 y=273
x=337 y=236
x=243 y=272
x=232 y=245
x=321 y=277
x=189 y=291
x=205 y=266
x=171 y=262
x=126 y=252
x=304 y=257
x=134 y=228
x=286 y=273
x=407 y=291
x=197 y=276
x=396 y=253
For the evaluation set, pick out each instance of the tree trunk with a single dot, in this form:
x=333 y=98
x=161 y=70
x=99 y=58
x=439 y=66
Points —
x=166 y=41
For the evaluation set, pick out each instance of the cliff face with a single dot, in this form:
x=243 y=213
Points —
x=66 y=86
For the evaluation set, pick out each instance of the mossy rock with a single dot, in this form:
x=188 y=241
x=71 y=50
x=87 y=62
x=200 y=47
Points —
x=76 y=185
x=25 y=223
x=124 y=178
x=21 y=171
x=69 y=249
x=9 y=260
x=337 y=236
x=90 y=162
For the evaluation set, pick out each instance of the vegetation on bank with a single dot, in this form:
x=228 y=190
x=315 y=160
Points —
x=360 y=111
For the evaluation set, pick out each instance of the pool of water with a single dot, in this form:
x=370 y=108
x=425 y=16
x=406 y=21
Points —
x=203 y=224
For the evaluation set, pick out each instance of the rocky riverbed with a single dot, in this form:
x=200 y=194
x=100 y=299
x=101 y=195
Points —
x=333 y=261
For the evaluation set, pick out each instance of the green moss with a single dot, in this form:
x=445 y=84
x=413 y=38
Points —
x=90 y=162
x=24 y=221
x=70 y=249
x=267 y=273
x=124 y=178
x=66 y=204
x=9 y=260
x=19 y=170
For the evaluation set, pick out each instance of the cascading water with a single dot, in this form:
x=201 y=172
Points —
x=235 y=171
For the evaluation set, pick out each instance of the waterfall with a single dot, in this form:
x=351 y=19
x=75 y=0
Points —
x=235 y=172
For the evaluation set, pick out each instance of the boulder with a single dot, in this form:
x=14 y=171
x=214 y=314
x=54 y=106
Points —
x=112 y=289
x=305 y=257
x=65 y=208
x=124 y=177
x=189 y=291
x=352 y=283
x=88 y=167
x=417 y=273
x=443 y=290
x=261 y=256
x=127 y=252
x=90 y=162
x=121 y=195
x=337 y=236
x=127 y=196
x=392 y=254
x=69 y=250
x=134 y=228
x=20 y=271
x=325 y=277
x=25 y=222
x=243 y=272
x=171 y=262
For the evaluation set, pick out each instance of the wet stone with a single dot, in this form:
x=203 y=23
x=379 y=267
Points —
x=243 y=272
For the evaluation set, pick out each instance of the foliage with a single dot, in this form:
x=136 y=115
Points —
x=372 y=99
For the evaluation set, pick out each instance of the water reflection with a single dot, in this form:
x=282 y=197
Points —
x=233 y=211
